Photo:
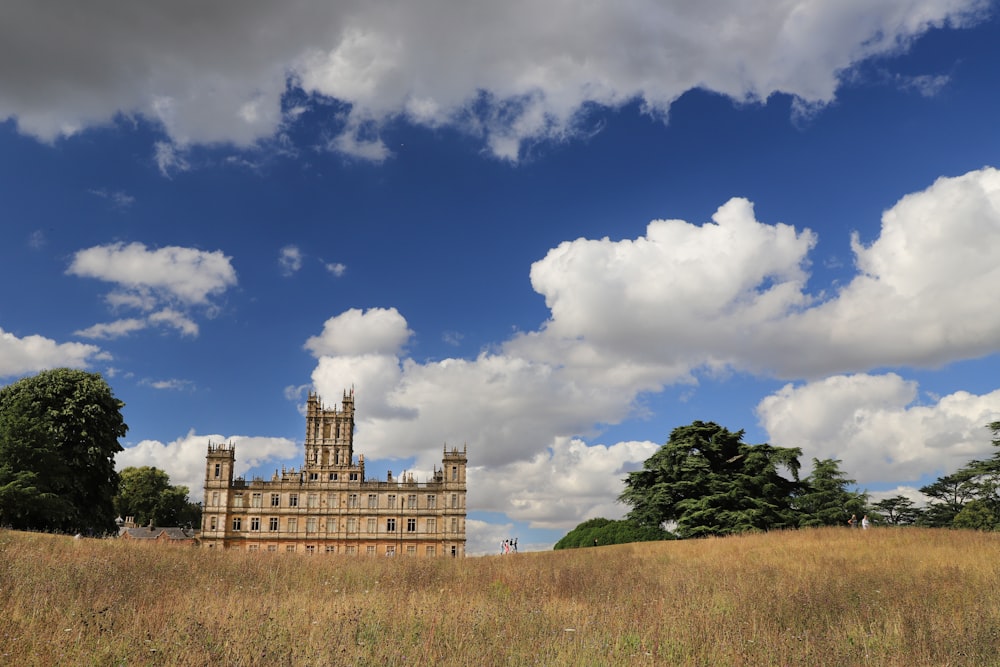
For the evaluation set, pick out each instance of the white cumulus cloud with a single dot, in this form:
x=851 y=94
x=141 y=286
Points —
x=920 y=295
x=374 y=331
x=172 y=279
x=184 y=458
x=878 y=427
x=506 y=72
x=731 y=293
x=29 y=354
x=185 y=274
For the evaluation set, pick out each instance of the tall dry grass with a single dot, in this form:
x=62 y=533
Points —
x=818 y=597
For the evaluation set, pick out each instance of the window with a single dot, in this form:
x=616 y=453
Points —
x=411 y=525
x=333 y=477
x=371 y=525
x=454 y=500
x=256 y=500
x=272 y=524
x=272 y=548
x=351 y=550
x=255 y=523
x=431 y=502
x=390 y=550
x=331 y=525
x=411 y=550
x=390 y=525
x=310 y=549
x=454 y=551
x=352 y=525
x=370 y=550
x=237 y=523
x=392 y=500
x=313 y=476
x=430 y=551
x=275 y=500
x=330 y=549
x=432 y=525
x=293 y=500
x=213 y=523
x=293 y=525
x=372 y=501
x=352 y=500
x=215 y=497
x=311 y=524
x=312 y=500
x=237 y=500
x=354 y=477
x=454 y=525
x=411 y=501
x=218 y=469
x=290 y=548
x=454 y=473
x=253 y=547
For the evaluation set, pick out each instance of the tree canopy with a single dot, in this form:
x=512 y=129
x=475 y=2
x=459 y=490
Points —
x=146 y=495
x=59 y=435
x=825 y=499
x=897 y=511
x=968 y=497
x=706 y=481
x=600 y=531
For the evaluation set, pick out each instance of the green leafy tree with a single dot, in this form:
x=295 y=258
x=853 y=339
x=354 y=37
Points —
x=978 y=480
x=897 y=511
x=21 y=499
x=948 y=494
x=146 y=494
x=600 y=532
x=59 y=435
x=706 y=481
x=976 y=515
x=825 y=499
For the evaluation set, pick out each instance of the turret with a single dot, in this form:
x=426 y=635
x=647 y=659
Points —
x=454 y=463
x=219 y=464
x=329 y=434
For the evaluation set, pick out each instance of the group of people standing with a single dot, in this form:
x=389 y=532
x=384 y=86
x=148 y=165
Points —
x=853 y=522
x=508 y=546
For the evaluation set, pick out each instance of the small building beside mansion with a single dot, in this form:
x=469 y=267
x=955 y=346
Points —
x=329 y=507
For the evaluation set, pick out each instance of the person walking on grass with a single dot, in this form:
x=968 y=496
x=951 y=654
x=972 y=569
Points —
x=853 y=521
x=864 y=522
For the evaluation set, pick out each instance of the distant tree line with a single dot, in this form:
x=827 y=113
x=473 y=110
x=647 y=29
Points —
x=59 y=434
x=705 y=481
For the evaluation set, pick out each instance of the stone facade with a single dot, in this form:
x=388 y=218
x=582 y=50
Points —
x=328 y=507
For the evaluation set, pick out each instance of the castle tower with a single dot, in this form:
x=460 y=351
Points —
x=219 y=464
x=454 y=463
x=329 y=434
x=454 y=491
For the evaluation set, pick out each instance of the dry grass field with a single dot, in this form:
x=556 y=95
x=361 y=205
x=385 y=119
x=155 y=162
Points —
x=818 y=597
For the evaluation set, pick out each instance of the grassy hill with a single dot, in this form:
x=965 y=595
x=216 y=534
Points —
x=815 y=597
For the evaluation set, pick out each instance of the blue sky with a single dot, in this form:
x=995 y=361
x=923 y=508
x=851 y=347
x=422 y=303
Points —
x=551 y=232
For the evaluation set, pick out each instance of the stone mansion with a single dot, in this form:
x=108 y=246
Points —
x=329 y=507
